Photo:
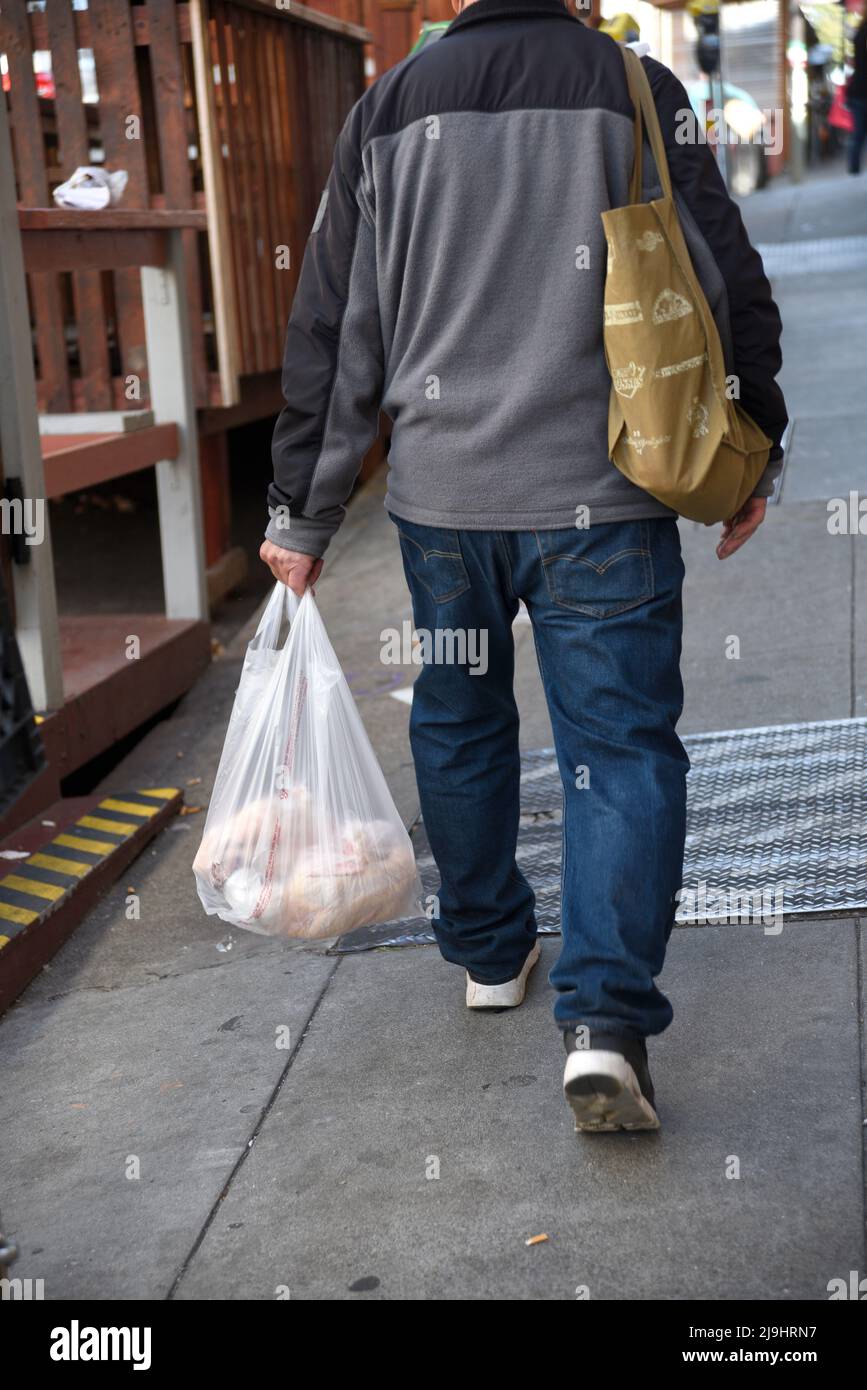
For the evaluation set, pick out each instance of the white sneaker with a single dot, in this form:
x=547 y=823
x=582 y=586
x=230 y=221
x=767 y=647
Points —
x=507 y=995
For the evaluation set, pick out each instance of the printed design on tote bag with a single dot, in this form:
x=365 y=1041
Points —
x=680 y=439
x=670 y=305
x=628 y=381
x=640 y=443
x=677 y=367
x=618 y=314
x=611 y=257
x=649 y=241
x=698 y=417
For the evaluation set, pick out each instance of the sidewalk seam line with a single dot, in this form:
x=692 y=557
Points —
x=248 y=1147
x=853 y=630
x=152 y=977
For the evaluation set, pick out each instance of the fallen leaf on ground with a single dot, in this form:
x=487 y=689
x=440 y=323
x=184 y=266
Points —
x=191 y=810
x=535 y=1240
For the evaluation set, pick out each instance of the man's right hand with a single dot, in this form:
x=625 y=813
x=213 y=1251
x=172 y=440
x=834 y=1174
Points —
x=292 y=568
x=738 y=529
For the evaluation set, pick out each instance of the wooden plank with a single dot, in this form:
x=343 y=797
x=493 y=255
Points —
x=313 y=93
x=173 y=140
x=143 y=28
x=225 y=97
x=294 y=136
x=249 y=88
x=216 y=509
x=35 y=598
x=73 y=462
x=310 y=18
x=246 y=141
x=119 y=98
x=33 y=190
x=95 y=422
x=284 y=209
x=297 y=14
x=66 y=238
x=223 y=282
x=108 y=696
x=47 y=251
x=179 y=495
x=74 y=150
x=272 y=147
x=261 y=396
x=307 y=181
x=81 y=26
x=355 y=80
x=317 y=78
x=115 y=219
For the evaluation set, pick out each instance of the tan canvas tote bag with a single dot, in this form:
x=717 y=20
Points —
x=671 y=428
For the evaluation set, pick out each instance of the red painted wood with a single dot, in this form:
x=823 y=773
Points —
x=75 y=461
x=216 y=497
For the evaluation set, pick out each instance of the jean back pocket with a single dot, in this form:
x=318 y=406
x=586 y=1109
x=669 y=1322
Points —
x=601 y=571
x=432 y=555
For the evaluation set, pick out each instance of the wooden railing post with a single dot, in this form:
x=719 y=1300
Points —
x=37 y=627
x=167 y=334
x=217 y=203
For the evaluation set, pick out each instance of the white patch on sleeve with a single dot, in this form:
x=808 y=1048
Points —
x=320 y=213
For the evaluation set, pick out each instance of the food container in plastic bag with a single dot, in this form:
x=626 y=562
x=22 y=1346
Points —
x=302 y=838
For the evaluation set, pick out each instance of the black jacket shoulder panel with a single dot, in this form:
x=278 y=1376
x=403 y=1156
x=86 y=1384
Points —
x=503 y=67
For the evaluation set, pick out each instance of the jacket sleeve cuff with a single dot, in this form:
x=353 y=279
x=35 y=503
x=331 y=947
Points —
x=304 y=536
x=768 y=481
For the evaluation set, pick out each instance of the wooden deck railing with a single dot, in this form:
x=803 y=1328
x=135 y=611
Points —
x=225 y=106
x=149 y=244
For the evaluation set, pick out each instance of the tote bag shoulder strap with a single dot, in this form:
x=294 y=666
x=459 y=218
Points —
x=646 y=118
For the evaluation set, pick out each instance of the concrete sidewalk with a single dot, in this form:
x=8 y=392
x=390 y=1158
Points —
x=401 y=1147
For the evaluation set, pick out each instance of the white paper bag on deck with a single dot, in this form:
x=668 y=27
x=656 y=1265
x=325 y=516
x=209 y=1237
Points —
x=302 y=838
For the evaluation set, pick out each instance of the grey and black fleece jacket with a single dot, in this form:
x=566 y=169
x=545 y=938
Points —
x=444 y=283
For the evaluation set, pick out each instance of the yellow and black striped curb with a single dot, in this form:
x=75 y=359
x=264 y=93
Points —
x=37 y=886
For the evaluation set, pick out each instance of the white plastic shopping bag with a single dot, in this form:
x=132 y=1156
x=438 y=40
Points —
x=302 y=838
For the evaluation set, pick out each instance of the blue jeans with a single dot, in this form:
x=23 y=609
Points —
x=605 y=604
x=858 y=107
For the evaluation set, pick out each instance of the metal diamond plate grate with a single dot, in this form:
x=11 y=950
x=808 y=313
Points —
x=772 y=811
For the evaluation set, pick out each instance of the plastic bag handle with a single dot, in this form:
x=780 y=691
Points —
x=282 y=600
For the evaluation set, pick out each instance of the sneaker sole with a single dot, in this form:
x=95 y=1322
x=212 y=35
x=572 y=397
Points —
x=604 y=1094
x=489 y=999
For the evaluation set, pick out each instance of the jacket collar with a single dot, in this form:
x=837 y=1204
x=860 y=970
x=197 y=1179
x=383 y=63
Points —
x=508 y=9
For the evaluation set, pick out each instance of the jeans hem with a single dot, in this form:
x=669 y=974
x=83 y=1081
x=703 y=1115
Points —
x=604 y=1025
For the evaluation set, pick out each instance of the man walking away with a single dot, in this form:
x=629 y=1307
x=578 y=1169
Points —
x=856 y=98
x=454 y=277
